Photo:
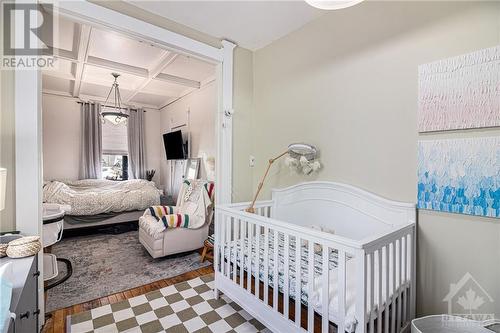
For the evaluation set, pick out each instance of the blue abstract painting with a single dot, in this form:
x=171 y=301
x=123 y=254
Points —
x=460 y=176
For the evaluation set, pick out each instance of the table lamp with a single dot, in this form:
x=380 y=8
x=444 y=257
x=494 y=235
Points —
x=298 y=151
x=3 y=182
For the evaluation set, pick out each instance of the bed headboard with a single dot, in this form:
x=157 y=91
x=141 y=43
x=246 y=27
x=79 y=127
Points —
x=350 y=211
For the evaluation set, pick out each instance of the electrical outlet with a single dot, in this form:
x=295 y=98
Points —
x=251 y=161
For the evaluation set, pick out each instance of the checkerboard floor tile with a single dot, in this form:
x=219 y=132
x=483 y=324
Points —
x=185 y=307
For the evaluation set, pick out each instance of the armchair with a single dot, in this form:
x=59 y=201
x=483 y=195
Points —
x=163 y=229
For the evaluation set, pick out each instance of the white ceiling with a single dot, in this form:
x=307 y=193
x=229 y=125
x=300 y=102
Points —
x=150 y=76
x=251 y=24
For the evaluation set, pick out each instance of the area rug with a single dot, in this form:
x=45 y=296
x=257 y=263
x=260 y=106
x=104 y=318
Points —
x=107 y=264
x=184 y=307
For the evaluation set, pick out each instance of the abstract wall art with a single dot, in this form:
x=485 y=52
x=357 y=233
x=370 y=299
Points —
x=460 y=176
x=461 y=92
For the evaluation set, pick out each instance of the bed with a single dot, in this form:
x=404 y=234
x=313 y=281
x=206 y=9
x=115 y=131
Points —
x=96 y=202
x=352 y=251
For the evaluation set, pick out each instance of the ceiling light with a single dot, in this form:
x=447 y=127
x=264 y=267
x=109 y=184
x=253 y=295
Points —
x=113 y=113
x=332 y=4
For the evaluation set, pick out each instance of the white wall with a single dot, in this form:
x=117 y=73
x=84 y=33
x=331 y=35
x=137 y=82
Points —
x=242 y=120
x=62 y=138
x=202 y=107
x=154 y=144
x=347 y=83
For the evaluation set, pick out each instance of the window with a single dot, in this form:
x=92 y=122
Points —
x=114 y=151
x=114 y=167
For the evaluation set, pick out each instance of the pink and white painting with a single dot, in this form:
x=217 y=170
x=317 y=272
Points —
x=461 y=92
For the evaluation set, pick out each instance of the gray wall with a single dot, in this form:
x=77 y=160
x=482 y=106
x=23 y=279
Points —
x=347 y=82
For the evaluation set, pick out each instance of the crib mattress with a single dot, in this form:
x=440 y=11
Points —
x=316 y=297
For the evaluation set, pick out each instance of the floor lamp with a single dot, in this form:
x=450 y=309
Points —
x=295 y=150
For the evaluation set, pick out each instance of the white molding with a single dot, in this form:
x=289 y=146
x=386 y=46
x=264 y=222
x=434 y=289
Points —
x=178 y=80
x=58 y=93
x=117 y=66
x=225 y=126
x=165 y=60
x=64 y=54
x=130 y=105
x=28 y=152
x=188 y=92
x=96 y=99
x=59 y=75
x=82 y=55
x=84 y=11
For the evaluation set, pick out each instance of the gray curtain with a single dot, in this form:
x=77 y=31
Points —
x=91 y=140
x=136 y=149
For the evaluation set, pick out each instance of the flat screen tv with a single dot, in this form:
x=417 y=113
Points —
x=174 y=146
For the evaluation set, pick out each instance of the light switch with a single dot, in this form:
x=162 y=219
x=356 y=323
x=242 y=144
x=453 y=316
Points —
x=251 y=161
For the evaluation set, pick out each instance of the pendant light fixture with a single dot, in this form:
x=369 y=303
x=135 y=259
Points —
x=332 y=4
x=114 y=113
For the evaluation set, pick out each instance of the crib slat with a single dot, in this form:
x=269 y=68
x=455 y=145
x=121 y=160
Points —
x=286 y=272
x=398 y=318
x=360 y=258
x=249 y=257
x=379 y=290
x=217 y=242
x=243 y=236
x=275 y=270
x=298 y=279
x=310 y=286
x=229 y=246
x=266 y=265
x=372 y=292
x=341 y=289
x=257 y=261
x=404 y=278
x=222 y=237
x=236 y=230
x=325 y=282
x=393 y=306
x=387 y=276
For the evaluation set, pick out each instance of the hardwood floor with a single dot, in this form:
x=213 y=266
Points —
x=57 y=323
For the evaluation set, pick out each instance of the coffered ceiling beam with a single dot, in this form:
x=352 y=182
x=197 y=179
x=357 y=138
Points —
x=178 y=80
x=165 y=60
x=82 y=54
x=117 y=66
x=61 y=54
x=59 y=75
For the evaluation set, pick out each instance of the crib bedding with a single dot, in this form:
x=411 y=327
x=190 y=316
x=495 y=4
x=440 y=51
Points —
x=96 y=196
x=316 y=297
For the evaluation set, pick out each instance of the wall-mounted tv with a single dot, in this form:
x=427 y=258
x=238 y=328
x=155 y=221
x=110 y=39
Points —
x=174 y=146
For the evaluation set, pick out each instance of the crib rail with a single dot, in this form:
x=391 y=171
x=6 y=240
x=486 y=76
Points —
x=297 y=279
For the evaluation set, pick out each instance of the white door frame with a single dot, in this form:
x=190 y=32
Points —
x=28 y=122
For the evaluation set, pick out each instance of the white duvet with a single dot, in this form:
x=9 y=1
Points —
x=96 y=196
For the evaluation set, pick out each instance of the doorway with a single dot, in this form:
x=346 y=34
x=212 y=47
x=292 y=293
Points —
x=28 y=123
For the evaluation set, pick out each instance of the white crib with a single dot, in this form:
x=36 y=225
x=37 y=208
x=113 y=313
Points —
x=359 y=278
